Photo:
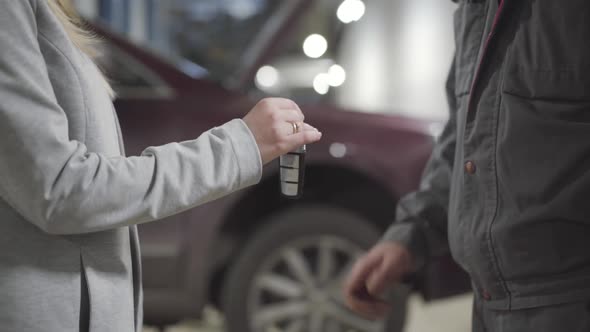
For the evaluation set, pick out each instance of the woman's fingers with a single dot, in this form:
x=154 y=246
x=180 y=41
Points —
x=282 y=109
x=293 y=128
x=278 y=127
x=290 y=116
x=308 y=127
x=288 y=104
x=307 y=136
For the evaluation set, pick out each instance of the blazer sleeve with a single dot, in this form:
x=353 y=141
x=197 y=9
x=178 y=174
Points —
x=55 y=183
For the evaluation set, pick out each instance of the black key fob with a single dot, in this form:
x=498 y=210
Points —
x=292 y=168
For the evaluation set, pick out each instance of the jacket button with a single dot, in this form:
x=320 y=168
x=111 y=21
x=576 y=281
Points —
x=486 y=295
x=470 y=167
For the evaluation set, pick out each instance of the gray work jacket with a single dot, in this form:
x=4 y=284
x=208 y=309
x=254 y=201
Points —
x=507 y=188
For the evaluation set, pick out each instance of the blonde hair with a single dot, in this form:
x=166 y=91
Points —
x=78 y=33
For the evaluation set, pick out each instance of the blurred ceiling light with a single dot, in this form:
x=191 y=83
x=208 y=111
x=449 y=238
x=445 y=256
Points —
x=351 y=11
x=338 y=150
x=320 y=83
x=337 y=75
x=267 y=77
x=315 y=46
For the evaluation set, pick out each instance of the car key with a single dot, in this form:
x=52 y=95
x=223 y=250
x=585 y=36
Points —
x=292 y=169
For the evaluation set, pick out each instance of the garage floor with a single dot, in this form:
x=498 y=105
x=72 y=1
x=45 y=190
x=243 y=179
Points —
x=449 y=315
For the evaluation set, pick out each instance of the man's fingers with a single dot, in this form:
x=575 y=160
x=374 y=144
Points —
x=370 y=309
x=358 y=298
x=363 y=303
x=360 y=271
x=354 y=287
x=378 y=282
x=382 y=277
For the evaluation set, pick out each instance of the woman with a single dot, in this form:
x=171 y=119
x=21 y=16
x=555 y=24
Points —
x=69 y=200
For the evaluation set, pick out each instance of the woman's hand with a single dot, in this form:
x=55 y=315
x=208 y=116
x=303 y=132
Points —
x=278 y=127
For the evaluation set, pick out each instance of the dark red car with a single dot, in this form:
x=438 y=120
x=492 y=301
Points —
x=268 y=263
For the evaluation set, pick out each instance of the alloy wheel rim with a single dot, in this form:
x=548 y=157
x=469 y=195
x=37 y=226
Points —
x=297 y=288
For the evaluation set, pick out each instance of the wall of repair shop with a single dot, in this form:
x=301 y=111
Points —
x=417 y=54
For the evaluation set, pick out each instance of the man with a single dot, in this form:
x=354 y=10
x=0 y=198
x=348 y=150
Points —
x=508 y=184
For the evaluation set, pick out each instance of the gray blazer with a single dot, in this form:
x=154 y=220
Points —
x=69 y=200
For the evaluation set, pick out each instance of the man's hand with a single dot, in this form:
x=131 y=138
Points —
x=372 y=275
x=273 y=122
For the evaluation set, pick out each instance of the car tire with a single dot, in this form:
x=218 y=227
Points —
x=277 y=249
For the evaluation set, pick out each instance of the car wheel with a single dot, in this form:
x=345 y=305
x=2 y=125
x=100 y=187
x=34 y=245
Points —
x=288 y=276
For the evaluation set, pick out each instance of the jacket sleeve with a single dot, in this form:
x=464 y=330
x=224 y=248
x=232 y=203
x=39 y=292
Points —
x=421 y=216
x=55 y=183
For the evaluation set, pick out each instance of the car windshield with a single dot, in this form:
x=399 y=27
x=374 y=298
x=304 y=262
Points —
x=388 y=56
x=215 y=34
